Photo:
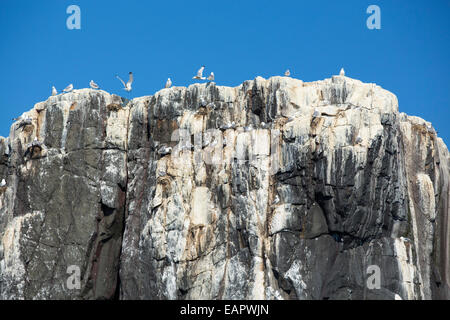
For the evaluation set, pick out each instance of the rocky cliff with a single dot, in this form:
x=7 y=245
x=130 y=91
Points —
x=275 y=189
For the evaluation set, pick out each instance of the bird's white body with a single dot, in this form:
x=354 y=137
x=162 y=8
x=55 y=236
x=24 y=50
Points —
x=405 y=239
x=276 y=200
x=265 y=125
x=35 y=143
x=287 y=73
x=54 y=91
x=93 y=85
x=164 y=150
x=358 y=140
x=168 y=83
x=27 y=120
x=227 y=126
x=199 y=75
x=68 y=88
x=342 y=72
x=3 y=183
x=211 y=77
x=127 y=86
x=316 y=113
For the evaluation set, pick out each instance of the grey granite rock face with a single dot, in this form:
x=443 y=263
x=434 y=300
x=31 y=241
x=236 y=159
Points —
x=211 y=192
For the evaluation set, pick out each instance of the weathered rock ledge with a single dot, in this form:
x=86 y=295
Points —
x=314 y=183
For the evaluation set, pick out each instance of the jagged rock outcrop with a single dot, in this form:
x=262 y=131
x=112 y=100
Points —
x=275 y=189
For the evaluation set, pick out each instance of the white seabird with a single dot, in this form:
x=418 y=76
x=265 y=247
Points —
x=342 y=72
x=168 y=83
x=287 y=73
x=93 y=85
x=127 y=86
x=265 y=125
x=199 y=75
x=3 y=183
x=248 y=128
x=404 y=239
x=54 y=91
x=430 y=129
x=164 y=150
x=211 y=77
x=227 y=126
x=276 y=200
x=68 y=88
x=316 y=113
x=358 y=140
x=36 y=143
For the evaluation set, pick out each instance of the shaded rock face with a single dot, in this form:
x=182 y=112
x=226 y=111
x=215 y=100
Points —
x=212 y=192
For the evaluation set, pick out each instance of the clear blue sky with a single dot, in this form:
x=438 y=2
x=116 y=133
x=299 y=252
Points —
x=238 y=40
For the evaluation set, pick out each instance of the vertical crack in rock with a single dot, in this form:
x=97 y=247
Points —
x=141 y=196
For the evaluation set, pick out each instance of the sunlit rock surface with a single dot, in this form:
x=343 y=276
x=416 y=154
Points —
x=212 y=192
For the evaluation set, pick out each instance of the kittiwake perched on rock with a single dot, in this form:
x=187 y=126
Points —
x=287 y=73
x=54 y=91
x=3 y=183
x=405 y=239
x=430 y=129
x=248 y=128
x=68 y=88
x=168 y=83
x=276 y=200
x=316 y=113
x=342 y=72
x=265 y=125
x=227 y=126
x=36 y=143
x=93 y=85
x=199 y=75
x=31 y=147
x=211 y=77
x=358 y=140
x=164 y=150
x=127 y=86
